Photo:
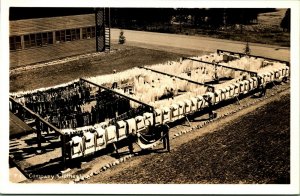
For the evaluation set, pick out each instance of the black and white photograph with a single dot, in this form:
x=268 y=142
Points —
x=123 y=96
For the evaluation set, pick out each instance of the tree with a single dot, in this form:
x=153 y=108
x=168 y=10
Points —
x=247 y=49
x=286 y=21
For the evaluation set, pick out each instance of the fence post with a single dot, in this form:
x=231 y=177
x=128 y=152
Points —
x=63 y=150
x=39 y=135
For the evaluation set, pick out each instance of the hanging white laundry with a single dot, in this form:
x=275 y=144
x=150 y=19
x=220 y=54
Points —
x=100 y=140
x=188 y=106
x=121 y=130
x=158 y=117
x=246 y=86
x=251 y=84
x=200 y=102
x=166 y=115
x=287 y=71
x=174 y=111
x=255 y=82
x=218 y=96
x=194 y=101
x=131 y=123
x=111 y=132
x=181 y=109
x=89 y=142
x=140 y=123
x=212 y=98
x=228 y=96
x=241 y=87
x=76 y=144
x=149 y=118
x=272 y=76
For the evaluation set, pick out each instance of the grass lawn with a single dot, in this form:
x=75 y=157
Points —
x=123 y=58
x=253 y=149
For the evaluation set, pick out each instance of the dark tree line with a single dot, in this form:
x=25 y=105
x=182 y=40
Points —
x=142 y=17
x=197 y=17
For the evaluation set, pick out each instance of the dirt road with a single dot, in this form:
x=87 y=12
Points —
x=174 y=43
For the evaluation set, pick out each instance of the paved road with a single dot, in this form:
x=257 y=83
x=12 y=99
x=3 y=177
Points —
x=173 y=42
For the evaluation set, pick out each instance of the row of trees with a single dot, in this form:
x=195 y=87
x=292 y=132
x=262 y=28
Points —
x=197 y=17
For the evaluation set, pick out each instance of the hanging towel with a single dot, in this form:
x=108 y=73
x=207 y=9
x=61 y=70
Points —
x=188 y=106
x=89 y=143
x=251 y=81
x=131 y=123
x=231 y=91
x=228 y=96
x=111 y=132
x=200 y=102
x=241 y=86
x=246 y=86
x=194 y=101
x=181 y=109
x=100 y=140
x=76 y=147
x=140 y=123
x=287 y=73
x=158 y=117
x=212 y=98
x=166 y=115
x=272 y=76
x=122 y=130
x=174 y=112
x=223 y=94
x=218 y=96
x=149 y=119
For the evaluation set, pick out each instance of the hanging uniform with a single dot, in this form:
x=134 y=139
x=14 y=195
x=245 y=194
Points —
x=111 y=134
x=121 y=130
x=194 y=104
x=166 y=115
x=149 y=118
x=76 y=145
x=89 y=143
x=188 y=106
x=100 y=140
x=140 y=123
x=158 y=117
x=131 y=124
x=174 y=112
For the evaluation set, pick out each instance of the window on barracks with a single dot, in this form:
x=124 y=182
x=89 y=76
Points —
x=75 y=34
x=50 y=38
x=68 y=35
x=88 y=32
x=32 y=40
x=38 y=38
x=60 y=36
x=18 y=42
x=44 y=39
x=27 y=43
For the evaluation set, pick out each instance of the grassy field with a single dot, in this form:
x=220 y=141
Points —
x=123 y=58
x=253 y=149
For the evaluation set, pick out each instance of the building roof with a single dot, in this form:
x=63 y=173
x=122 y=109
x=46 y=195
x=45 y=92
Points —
x=26 y=26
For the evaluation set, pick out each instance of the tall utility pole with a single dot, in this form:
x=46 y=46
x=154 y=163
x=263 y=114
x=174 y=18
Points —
x=102 y=19
x=100 y=29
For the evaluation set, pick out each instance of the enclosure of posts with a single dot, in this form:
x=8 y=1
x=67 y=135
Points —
x=89 y=114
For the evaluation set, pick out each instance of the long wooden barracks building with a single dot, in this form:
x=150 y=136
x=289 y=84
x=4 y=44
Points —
x=42 y=39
